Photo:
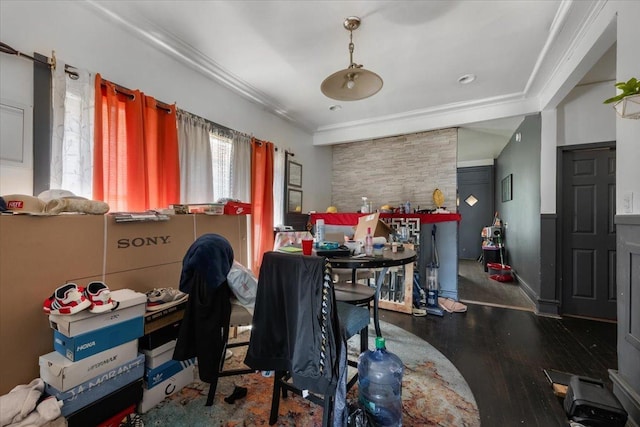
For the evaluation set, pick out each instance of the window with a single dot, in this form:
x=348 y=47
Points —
x=221 y=155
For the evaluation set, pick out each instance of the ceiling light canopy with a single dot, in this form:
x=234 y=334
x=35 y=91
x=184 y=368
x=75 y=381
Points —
x=354 y=82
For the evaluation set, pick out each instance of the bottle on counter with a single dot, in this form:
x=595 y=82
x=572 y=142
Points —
x=368 y=243
x=319 y=232
x=380 y=384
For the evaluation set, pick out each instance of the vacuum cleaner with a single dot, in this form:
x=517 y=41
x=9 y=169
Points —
x=433 y=285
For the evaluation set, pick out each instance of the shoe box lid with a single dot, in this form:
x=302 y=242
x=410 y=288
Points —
x=151 y=397
x=105 y=408
x=129 y=304
x=63 y=374
x=89 y=391
x=159 y=355
x=153 y=377
x=84 y=345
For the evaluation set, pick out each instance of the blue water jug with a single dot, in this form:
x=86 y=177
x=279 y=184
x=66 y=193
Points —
x=380 y=384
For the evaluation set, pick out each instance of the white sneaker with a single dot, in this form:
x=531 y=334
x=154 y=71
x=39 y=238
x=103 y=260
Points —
x=161 y=298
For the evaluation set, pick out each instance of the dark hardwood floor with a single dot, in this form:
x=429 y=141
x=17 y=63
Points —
x=501 y=352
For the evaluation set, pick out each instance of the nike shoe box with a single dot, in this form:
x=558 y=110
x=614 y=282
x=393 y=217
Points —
x=161 y=336
x=128 y=305
x=163 y=354
x=98 y=387
x=153 y=377
x=63 y=374
x=85 y=345
x=154 y=320
x=106 y=408
x=151 y=397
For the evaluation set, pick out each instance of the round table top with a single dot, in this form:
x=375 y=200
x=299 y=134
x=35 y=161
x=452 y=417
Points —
x=388 y=259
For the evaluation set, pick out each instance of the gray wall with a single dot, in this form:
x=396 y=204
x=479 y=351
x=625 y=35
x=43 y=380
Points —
x=521 y=215
x=396 y=169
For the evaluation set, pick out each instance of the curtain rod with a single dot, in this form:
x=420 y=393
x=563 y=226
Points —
x=5 y=48
x=128 y=92
x=212 y=123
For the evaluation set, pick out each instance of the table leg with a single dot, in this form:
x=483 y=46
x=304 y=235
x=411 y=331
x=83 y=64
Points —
x=376 y=318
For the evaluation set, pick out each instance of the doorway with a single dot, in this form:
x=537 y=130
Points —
x=587 y=200
x=475 y=191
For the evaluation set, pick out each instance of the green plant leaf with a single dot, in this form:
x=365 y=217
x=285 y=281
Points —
x=630 y=87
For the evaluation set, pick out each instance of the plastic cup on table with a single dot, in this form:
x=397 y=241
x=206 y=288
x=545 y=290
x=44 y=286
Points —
x=307 y=245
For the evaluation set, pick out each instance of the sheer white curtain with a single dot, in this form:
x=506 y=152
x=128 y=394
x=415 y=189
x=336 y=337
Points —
x=196 y=169
x=72 y=133
x=241 y=167
x=278 y=186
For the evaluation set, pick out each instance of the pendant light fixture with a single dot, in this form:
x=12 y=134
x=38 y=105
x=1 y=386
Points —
x=354 y=82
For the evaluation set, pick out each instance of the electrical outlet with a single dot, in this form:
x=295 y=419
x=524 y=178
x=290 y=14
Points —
x=627 y=202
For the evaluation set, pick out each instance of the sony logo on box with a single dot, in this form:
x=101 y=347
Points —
x=138 y=242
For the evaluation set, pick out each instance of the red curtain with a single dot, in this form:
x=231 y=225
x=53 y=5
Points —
x=261 y=199
x=136 y=164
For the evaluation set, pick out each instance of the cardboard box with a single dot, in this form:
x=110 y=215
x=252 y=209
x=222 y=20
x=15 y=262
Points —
x=153 y=377
x=129 y=304
x=159 y=337
x=378 y=227
x=154 y=320
x=63 y=374
x=237 y=208
x=156 y=357
x=207 y=208
x=107 y=407
x=84 y=345
x=151 y=397
x=98 y=387
x=116 y=420
x=81 y=248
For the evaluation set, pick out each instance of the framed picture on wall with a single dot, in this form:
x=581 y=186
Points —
x=507 y=189
x=294 y=175
x=294 y=200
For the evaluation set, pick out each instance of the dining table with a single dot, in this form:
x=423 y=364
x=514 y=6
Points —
x=356 y=293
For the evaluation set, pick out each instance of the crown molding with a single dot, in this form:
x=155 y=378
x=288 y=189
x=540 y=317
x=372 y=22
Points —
x=168 y=43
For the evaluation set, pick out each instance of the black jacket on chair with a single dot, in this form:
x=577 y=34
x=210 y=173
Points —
x=205 y=326
x=295 y=323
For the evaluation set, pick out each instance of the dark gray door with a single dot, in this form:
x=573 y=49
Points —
x=475 y=192
x=589 y=232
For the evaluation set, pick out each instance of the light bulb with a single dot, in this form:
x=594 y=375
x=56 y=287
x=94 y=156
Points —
x=350 y=84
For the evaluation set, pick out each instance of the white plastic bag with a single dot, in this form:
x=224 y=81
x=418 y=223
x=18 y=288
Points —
x=243 y=284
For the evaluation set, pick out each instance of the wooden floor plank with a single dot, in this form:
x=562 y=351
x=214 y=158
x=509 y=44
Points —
x=502 y=352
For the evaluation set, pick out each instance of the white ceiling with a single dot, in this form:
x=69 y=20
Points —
x=277 y=53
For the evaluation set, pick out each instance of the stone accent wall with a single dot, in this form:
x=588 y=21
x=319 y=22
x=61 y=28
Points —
x=396 y=169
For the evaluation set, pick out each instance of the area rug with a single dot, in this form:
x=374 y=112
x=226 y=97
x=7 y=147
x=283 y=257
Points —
x=434 y=393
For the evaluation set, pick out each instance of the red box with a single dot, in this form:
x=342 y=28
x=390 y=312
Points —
x=237 y=208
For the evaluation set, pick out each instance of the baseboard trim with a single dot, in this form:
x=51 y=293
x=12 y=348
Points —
x=627 y=396
x=548 y=307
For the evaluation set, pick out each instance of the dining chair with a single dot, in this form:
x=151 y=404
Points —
x=300 y=331
x=204 y=330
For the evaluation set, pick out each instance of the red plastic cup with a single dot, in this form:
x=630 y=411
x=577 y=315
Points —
x=307 y=245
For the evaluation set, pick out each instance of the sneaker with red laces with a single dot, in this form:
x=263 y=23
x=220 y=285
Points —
x=67 y=299
x=99 y=296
